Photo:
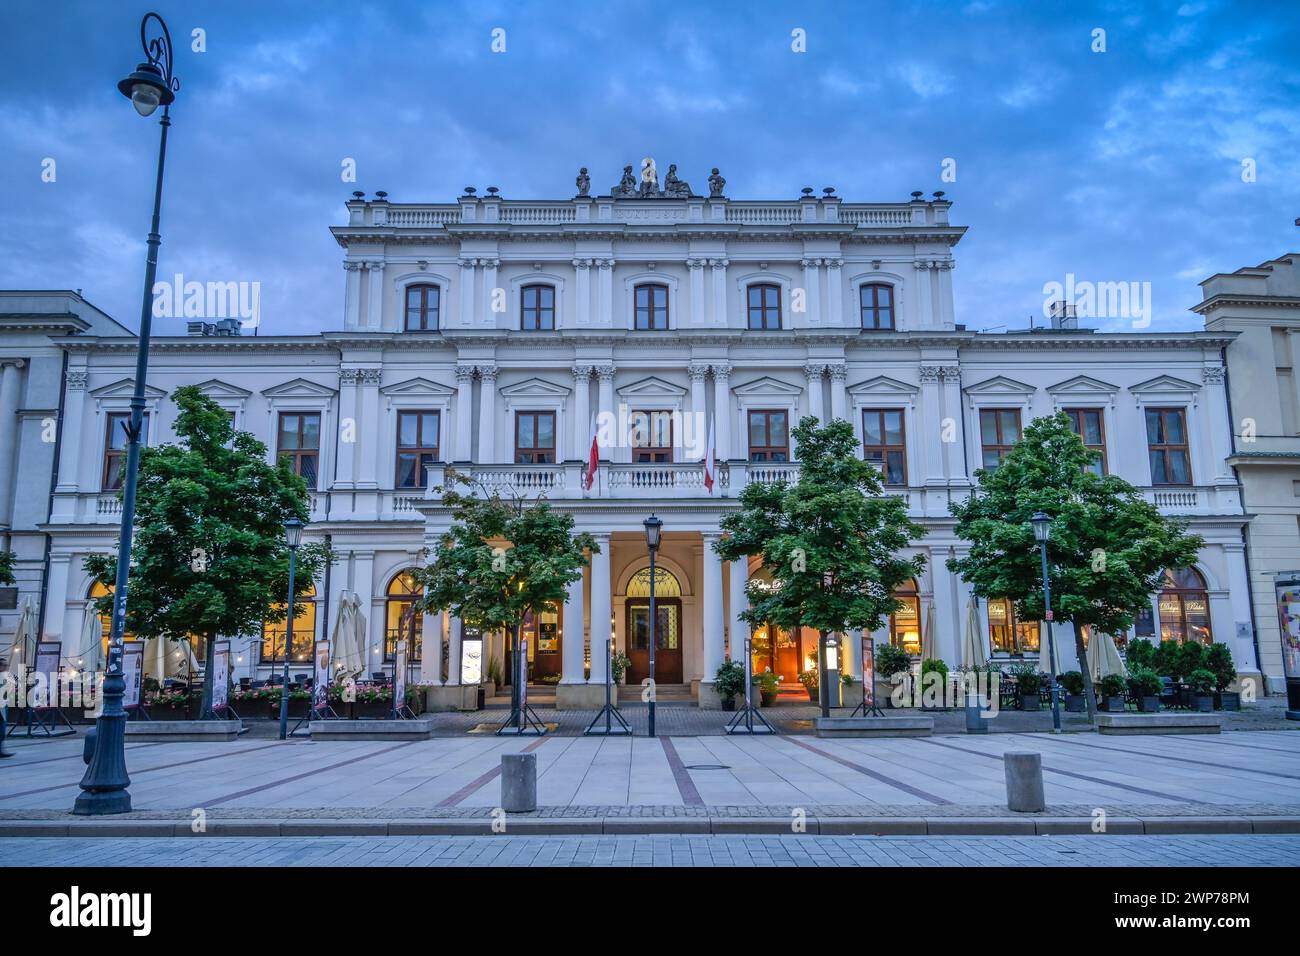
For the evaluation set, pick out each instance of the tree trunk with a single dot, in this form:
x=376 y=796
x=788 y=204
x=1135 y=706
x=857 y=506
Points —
x=1088 y=692
x=205 y=706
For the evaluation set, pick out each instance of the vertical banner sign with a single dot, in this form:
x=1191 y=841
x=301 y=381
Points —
x=132 y=672
x=471 y=660
x=399 y=677
x=1288 y=616
x=47 y=665
x=868 y=672
x=320 y=685
x=748 y=673
x=220 y=675
x=522 y=676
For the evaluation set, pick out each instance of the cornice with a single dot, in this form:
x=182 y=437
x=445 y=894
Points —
x=1239 y=300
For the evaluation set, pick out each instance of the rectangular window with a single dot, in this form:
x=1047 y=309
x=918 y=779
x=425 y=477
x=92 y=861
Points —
x=1090 y=425
x=1167 y=446
x=876 y=303
x=999 y=430
x=422 y=303
x=417 y=446
x=651 y=307
x=535 y=438
x=884 y=444
x=537 y=308
x=769 y=436
x=298 y=443
x=763 y=303
x=115 y=447
x=652 y=437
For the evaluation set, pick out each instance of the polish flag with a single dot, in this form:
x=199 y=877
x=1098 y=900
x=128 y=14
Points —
x=710 y=465
x=593 y=458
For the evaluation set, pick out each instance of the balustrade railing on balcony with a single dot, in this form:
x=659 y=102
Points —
x=664 y=478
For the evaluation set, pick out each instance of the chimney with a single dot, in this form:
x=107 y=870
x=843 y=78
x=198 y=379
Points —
x=1064 y=315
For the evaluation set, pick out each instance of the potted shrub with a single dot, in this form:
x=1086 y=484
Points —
x=1219 y=660
x=1144 y=683
x=1075 y=700
x=1168 y=660
x=1140 y=651
x=1201 y=682
x=933 y=665
x=618 y=664
x=1112 y=693
x=1030 y=684
x=729 y=683
x=768 y=685
x=299 y=702
x=373 y=702
x=811 y=683
x=170 y=705
x=890 y=662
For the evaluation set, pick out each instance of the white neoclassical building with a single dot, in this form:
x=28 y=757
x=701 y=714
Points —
x=487 y=334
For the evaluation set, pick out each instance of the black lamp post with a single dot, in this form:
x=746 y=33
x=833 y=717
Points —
x=653 y=533
x=104 y=786
x=1042 y=523
x=823 y=658
x=293 y=538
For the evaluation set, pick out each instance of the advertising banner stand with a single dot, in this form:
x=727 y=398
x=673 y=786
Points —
x=868 y=707
x=523 y=719
x=744 y=721
x=133 y=677
x=400 y=710
x=610 y=721
x=320 y=708
x=44 y=715
x=1287 y=588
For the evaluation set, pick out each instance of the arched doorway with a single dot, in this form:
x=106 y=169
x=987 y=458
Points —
x=668 y=643
x=784 y=653
x=402 y=620
x=905 y=622
x=1185 y=607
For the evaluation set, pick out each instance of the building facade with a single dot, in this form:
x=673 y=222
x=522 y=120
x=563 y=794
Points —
x=1260 y=306
x=491 y=337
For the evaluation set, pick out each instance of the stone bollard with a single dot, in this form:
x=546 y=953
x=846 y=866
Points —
x=1024 y=772
x=518 y=783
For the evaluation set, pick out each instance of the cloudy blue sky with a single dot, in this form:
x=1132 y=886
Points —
x=1123 y=165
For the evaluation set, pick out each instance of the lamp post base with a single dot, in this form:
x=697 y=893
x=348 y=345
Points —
x=94 y=803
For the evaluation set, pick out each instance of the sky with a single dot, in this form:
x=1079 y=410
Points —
x=1169 y=155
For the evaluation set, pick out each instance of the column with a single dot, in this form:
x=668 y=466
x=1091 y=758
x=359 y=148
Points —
x=57 y=627
x=582 y=292
x=699 y=409
x=600 y=607
x=74 y=404
x=367 y=448
x=850 y=655
x=1219 y=428
x=713 y=612
x=352 y=296
x=571 y=641
x=720 y=316
x=581 y=413
x=834 y=294
x=10 y=373
x=466 y=292
x=453 y=650
x=489 y=320
x=464 y=412
x=812 y=291
x=816 y=404
x=924 y=310
x=697 y=290
x=345 y=469
x=605 y=374
x=363 y=583
x=375 y=304
x=839 y=396
x=954 y=465
x=1242 y=639
x=722 y=412
x=738 y=603
x=431 y=650
x=487 y=415
x=932 y=414
x=605 y=297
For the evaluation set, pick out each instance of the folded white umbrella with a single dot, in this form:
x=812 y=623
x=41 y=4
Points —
x=155 y=659
x=1105 y=658
x=973 y=656
x=347 y=643
x=927 y=635
x=23 y=649
x=1046 y=647
x=90 y=650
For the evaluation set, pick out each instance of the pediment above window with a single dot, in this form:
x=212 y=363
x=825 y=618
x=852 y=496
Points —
x=1165 y=385
x=298 y=388
x=768 y=386
x=1083 y=385
x=534 y=388
x=218 y=390
x=651 y=387
x=125 y=388
x=1000 y=385
x=417 y=386
x=882 y=385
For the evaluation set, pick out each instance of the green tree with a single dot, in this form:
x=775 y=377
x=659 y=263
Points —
x=499 y=560
x=1108 y=547
x=209 y=556
x=830 y=541
x=6 y=567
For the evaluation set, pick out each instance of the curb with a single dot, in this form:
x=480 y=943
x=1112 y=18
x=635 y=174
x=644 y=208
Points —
x=696 y=826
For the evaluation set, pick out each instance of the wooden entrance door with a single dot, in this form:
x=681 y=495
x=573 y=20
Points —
x=668 y=646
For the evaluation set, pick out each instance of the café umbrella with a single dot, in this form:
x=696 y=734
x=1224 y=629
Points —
x=23 y=650
x=348 y=641
x=927 y=635
x=1103 y=656
x=972 y=648
x=90 y=651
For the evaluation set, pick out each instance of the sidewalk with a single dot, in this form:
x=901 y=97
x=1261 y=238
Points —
x=1230 y=783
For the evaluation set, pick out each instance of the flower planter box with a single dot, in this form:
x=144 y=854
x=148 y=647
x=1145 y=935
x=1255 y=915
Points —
x=1076 y=703
x=1149 y=705
x=170 y=712
x=1229 y=700
x=372 y=709
x=297 y=708
x=766 y=699
x=1112 y=705
x=1203 y=703
x=729 y=704
x=1031 y=702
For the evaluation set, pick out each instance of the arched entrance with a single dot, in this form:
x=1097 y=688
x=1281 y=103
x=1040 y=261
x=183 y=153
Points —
x=1185 y=607
x=668 y=644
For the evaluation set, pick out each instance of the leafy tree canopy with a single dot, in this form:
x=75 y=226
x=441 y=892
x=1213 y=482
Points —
x=6 y=567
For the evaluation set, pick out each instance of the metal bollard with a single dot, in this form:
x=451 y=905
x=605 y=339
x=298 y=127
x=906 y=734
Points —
x=88 y=745
x=1024 y=773
x=518 y=783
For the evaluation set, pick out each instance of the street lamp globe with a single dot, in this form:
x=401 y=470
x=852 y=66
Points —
x=653 y=532
x=293 y=533
x=146 y=89
x=1042 y=523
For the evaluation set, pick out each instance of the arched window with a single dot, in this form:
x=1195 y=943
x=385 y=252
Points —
x=876 y=301
x=403 y=620
x=905 y=623
x=1008 y=635
x=422 y=304
x=763 y=303
x=304 y=633
x=537 y=308
x=1185 y=607
x=97 y=591
x=666 y=584
x=651 y=307
x=667 y=629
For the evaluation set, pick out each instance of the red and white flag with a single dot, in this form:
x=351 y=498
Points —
x=593 y=458
x=710 y=464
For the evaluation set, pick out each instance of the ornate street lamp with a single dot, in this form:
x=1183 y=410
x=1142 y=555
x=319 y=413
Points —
x=653 y=534
x=827 y=648
x=104 y=786
x=1042 y=523
x=293 y=538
